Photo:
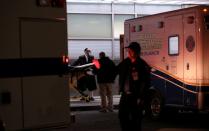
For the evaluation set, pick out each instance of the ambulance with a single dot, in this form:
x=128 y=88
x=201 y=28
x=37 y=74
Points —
x=34 y=90
x=176 y=46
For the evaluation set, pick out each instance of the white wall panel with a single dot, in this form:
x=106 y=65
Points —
x=89 y=8
x=76 y=47
x=119 y=24
x=89 y=26
x=153 y=9
x=123 y=8
x=116 y=50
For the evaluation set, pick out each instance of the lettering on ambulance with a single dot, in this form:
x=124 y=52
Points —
x=145 y=53
x=150 y=44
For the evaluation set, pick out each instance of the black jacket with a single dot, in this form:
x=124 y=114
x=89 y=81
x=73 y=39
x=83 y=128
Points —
x=143 y=75
x=107 y=71
x=82 y=60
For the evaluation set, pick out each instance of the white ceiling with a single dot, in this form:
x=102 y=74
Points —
x=178 y=2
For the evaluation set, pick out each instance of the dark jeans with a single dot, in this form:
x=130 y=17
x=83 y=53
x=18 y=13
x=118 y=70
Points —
x=130 y=114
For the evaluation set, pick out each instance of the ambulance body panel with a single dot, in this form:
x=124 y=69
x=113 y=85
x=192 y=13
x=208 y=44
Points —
x=33 y=85
x=176 y=45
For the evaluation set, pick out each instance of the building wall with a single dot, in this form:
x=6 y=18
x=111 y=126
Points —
x=99 y=25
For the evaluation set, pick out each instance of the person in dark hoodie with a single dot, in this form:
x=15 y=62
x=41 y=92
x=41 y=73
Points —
x=134 y=82
x=105 y=78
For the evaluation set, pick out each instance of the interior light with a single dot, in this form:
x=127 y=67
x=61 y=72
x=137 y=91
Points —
x=205 y=10
x=65 y=59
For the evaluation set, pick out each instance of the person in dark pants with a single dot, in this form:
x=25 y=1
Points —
x=105 y=78
x=88 y=81
x=134 y=79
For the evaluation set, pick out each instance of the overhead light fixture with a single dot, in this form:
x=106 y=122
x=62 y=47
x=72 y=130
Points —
x=190 y=19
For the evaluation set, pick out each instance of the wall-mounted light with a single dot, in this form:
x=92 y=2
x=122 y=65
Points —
x=190 y=20
x=133 y=29
x=205 y=10
x=160 y=24
x=139 y=28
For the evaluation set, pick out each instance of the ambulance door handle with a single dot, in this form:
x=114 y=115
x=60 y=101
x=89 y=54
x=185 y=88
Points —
x=187 y=66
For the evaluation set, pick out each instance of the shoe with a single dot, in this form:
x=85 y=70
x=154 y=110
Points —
x=85 y=98
x=91 y=99
x=82 y=98
x=103 y=110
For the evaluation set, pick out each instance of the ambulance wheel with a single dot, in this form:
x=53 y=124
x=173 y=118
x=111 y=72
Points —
x=155 y=106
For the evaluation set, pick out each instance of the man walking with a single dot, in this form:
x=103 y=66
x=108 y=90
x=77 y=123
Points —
x=105 y=78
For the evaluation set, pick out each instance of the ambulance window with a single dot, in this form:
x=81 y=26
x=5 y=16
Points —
x=173 y=45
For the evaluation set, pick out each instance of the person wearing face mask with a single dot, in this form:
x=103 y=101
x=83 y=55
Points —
x=134 y=80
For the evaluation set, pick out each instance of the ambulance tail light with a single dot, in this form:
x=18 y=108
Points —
x=65 y=59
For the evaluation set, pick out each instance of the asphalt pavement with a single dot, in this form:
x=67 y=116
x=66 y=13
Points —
x=86 y=117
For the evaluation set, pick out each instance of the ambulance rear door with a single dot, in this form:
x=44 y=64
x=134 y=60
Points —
x=190 y=58
x=174 y=69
